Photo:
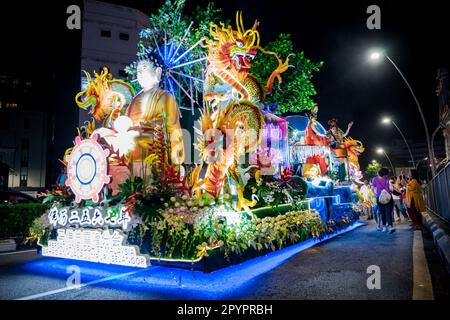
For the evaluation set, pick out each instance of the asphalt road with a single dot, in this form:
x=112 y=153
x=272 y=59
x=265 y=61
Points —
x=335 y=269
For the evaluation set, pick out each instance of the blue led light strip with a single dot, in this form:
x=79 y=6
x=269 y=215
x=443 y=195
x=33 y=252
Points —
x=182 y=283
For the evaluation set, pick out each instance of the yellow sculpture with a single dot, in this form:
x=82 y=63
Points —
x=354 y=149
x=232 y=120
x=104 y=96
x=241 y=125
x=229 y=62
x=152 y=108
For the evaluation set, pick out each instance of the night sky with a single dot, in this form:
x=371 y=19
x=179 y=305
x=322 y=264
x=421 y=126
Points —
x=349 y=88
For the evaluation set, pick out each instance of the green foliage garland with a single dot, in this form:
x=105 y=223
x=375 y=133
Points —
x=296 y=90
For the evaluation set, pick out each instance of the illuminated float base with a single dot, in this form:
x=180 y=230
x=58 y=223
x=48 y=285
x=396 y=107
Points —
x=217 y=260
x=178 y=282
x=109 y=246
x=103 y=246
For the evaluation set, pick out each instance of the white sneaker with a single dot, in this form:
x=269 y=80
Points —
x=379 y=228
x=391 y=229
x=384 y=229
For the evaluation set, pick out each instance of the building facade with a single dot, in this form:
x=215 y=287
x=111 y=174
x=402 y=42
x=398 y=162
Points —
x=110 y=34
x=23 y=142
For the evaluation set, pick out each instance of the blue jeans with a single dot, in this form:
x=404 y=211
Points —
x=376 y=214
x=385 y=212
x=400 y=208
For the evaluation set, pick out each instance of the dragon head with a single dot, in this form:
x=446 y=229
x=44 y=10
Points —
x=235 y=48
x=354 y=146
x=99 y=97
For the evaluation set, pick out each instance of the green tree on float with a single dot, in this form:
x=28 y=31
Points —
x=372 y=170
x=296 y=90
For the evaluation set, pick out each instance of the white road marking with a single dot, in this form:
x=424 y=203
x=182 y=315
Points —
x=423 y=287
x=82 y=285
x=17 y=252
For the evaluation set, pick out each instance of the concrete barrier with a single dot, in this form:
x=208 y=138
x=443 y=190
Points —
x=441 y=238
x=433 y=227
x=443 y=244
x=7 y=245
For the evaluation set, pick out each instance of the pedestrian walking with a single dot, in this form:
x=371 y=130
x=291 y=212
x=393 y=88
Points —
x=404 y=182
x=384 y=200
x=397 y=192
x=369 y=198
x=415 y=201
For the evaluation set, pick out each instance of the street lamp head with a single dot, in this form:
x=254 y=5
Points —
x=375 y=55
x=374 y=161
x=386 y=120
x=380 y=150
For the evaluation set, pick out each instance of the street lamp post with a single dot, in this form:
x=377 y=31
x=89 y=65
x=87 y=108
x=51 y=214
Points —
x=378 y=55
x=432 y=140
x=381 y=151
x=387 y=121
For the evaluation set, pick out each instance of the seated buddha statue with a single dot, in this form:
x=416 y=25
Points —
x=155 y=108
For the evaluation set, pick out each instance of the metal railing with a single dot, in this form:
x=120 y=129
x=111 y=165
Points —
x=437 y=193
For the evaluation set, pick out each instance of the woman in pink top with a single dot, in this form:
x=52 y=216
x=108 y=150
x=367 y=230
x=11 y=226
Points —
x=380 y=183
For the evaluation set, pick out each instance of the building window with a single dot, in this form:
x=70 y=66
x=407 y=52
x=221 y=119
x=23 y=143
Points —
x=26 y=123
x=105 y=33
x=24 y=159
x=10 y=105
x=25 y=144
x=23 y=180
x=4 y=123
x=124 y=36
x=122 y=74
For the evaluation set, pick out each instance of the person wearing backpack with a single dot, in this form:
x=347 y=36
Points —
x=385 y=201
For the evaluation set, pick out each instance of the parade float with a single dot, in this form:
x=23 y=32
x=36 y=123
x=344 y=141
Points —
x=263 y=182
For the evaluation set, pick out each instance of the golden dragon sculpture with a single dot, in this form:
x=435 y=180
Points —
x=231 y=124
x=104 y=96
x=228 y=64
